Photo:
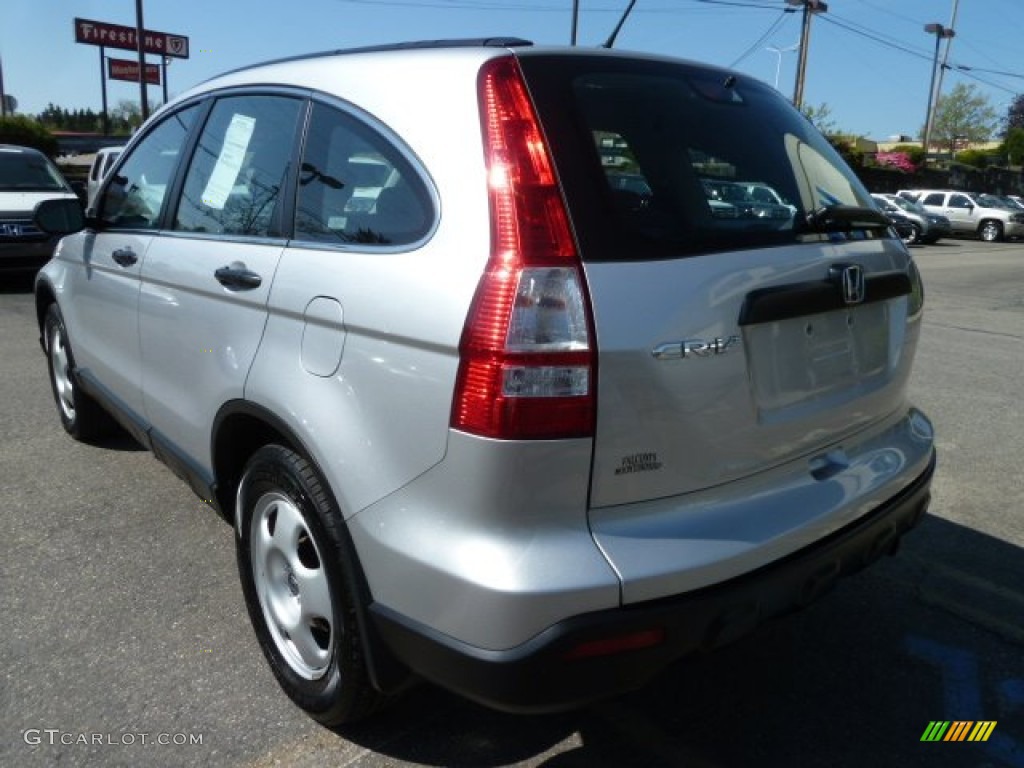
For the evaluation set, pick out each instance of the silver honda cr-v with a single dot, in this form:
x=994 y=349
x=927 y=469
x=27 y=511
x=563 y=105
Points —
x=492 y=391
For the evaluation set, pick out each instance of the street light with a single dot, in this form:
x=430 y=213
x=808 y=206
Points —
x=778 y=64
x=810 y=7
x=941 y=33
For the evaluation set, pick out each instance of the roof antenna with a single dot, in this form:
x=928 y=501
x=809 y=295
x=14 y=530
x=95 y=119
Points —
x=575 y=21
x=615 y=32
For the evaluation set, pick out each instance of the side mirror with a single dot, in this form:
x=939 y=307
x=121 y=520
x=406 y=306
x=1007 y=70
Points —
x=59 y=217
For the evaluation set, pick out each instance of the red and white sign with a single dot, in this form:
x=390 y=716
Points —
x=125 y=69
x=117 y=36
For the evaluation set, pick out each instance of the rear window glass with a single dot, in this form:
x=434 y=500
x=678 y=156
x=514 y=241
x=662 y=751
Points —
x=686 y=158
x=28 y=172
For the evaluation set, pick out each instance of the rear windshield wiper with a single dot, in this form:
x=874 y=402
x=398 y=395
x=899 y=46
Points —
x=844 y=218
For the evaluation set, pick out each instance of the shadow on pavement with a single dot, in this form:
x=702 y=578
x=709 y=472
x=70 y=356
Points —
x=17 y=282
x=936 y=633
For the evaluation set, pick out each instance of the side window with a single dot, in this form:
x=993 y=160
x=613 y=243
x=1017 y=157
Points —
x=959 y=201
x=356 y=187
x=134 y=197
x=240 y=166
x=936 y=198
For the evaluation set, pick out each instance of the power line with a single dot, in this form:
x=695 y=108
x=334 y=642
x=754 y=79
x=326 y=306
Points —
x=768 y=33
x=965 y=70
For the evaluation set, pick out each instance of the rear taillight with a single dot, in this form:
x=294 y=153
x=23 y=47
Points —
x=526 y=356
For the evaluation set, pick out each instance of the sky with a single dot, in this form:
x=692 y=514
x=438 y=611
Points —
x=869 y=61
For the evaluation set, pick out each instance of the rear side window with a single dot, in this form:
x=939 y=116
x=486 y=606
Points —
x=239 y=170
x=684 y=158
x=935 y=198
x=356 y=187
x=133 y=198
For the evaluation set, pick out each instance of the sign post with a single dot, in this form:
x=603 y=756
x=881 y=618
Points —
x=135 y=38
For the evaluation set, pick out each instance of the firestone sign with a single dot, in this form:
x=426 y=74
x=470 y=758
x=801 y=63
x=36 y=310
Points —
x=118 y=36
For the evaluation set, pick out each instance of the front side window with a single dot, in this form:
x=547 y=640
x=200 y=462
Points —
x=355 y=187
x=959 y=201
x=133 y=198
x=240 y=166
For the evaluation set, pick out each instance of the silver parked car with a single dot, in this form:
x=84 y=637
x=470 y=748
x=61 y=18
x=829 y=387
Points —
x=926 y=227
x=986 y=216
x=505 y=422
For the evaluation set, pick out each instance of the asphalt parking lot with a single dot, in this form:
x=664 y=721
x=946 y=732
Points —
x=125 y=640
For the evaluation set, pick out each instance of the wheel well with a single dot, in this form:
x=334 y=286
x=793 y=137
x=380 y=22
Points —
x=44 y=298
x=238 y=437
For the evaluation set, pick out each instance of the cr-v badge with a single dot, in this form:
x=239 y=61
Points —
x=682 y=350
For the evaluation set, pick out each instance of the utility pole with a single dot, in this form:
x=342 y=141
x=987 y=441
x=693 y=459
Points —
x=3 y=94
x=140 y=34
x=810 y=7
x=945 y=54
x=940 y=32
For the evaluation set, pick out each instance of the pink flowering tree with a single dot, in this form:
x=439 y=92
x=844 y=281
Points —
x=899 y=160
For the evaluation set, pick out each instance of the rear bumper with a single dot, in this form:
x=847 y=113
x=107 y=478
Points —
x=548 y=672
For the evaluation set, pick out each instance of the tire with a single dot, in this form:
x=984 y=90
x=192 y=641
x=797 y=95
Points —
x=81 y=416
x=915 y=235
x=990 y=231
x=292 y=545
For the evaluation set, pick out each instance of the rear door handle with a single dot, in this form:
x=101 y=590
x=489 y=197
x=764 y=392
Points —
x=124 y=256
x=238 y=277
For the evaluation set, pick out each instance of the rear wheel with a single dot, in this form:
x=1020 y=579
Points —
x=81 y=416
x=990 y=231
x=292 y=553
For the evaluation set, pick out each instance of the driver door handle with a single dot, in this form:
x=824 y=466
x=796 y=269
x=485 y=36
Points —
x=124 y=256
x=238 y=277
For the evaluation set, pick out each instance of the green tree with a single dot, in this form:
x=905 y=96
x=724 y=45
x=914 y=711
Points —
x=915 y=152
x=963 y=115
x=1013 y=146
x=126 y=116
x=821 y=117
x=1014 y=115
x=27 y=132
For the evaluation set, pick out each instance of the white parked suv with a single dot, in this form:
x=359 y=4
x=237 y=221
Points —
x=514 y=427
x=101 y=165
x=986 y=216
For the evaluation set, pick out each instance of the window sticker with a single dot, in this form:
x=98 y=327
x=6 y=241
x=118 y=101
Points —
x=229 y=162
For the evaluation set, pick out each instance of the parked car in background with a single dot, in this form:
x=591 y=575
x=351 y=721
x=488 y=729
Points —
x=27 y=177
x=101 y=165
x=986 y=216
x=1011 y=202
x=744 y=202
x=928 y=227
x=762 y=193
x=527 y=427
x=904 y=227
